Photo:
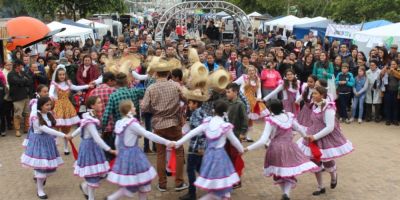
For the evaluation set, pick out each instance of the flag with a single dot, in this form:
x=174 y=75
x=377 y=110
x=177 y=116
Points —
x=112 y=163
x=315 y=151
x=239 y=165
x=172 y=162
x=74 y=151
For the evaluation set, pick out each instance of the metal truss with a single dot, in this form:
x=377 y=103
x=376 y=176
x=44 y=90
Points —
x=245 y=27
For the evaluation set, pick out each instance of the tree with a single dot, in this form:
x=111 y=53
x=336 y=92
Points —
x=50 y=8
x=12 y=8
x=349 y=11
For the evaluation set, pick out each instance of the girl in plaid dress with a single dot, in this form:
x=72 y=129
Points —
x=64 y=111
x=217 y=174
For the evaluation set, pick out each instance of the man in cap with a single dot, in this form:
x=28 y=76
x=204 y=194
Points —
x=393 y=53
x=162 y=99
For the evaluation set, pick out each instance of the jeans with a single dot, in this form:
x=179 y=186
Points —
x=358 y=102
x=391 y=105
x=193 y=166
x=147 y=124
x=344 y=100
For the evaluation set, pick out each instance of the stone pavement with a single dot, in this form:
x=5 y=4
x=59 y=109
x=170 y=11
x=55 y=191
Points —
x=370 y=172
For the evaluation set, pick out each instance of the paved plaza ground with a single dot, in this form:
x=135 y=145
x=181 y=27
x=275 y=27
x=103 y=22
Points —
x=371 y=172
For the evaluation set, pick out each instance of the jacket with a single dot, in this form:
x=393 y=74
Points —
x=92 y=74
x=348 y=87
x=237 y=116
x=20 y=85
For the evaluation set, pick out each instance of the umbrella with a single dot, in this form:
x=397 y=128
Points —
x=27 y=31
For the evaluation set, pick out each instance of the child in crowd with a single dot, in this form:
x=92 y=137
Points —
x=344 y=83
x=359 y=89
x=373 y=95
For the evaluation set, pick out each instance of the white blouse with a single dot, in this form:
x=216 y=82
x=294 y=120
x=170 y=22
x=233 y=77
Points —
x=64 y=86
x=90 y=131
x=214 y=123
x=39 y=129
x=133 y=132
x=275 y=92
x=329 y=120
x=285 y=121
x=241 y=81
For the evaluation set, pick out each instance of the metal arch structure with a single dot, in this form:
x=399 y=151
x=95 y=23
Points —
x=245 y=25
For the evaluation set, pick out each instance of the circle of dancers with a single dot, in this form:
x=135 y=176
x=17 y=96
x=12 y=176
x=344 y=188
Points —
x=321 y=143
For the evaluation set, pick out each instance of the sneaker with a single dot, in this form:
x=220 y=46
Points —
x=396 y=123
x=161 y=189
x=347 y=121
x=387 y=123
x=188 y=196
x=17 y=134
x=341 y=120
x=181 y=187
x=3 y=134
x=359 y=121
x=351 y=119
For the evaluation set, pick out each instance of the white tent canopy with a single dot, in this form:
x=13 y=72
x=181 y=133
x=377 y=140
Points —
x=71 y=32
x=221 y=14
x=383 y=35
x=101 y=29
x=279 y=22
x=254 y=14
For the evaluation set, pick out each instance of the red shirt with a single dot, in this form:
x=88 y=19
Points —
x=270 y=78
x=103 y=92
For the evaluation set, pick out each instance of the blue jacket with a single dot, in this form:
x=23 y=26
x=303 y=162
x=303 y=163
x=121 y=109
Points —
x=348 y=87
x=211 y=68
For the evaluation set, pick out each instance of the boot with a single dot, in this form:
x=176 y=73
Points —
x=377 y=113
x=17 y=125
x=26 y=124
x=368 y=112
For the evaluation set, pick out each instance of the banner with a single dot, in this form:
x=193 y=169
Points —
x=342 y=31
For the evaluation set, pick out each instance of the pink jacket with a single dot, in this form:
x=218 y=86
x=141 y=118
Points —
x=270 y=78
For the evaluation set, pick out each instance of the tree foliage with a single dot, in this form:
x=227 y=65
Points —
x=50 y=8
x=349 y=11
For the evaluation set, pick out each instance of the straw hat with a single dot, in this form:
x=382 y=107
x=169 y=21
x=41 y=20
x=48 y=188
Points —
x=198 y=75
x=219 y=79
x=185 y=76
x=175 y=63
x=193 y=56
x=133 y=61
x=154 y=60
x=196 y=94
x=111 y=66
x=161 y=66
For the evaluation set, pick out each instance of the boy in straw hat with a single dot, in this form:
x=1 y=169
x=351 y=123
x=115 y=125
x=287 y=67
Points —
x=162 y=99
x=197 y=145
